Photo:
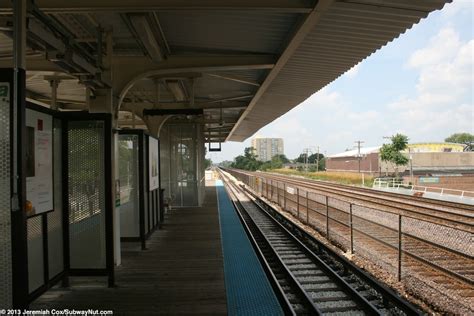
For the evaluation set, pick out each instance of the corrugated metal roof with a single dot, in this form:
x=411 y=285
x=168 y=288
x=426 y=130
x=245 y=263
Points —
x=238 y=31
x=355 y=152
x=346 y=34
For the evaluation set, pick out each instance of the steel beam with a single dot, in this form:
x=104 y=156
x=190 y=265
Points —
x=234 y=78
x=180 y=105
x=160 y=112
x=90 y=6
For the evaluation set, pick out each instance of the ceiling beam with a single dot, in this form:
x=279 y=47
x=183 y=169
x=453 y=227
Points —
x=161 y=112
x=306 y=26
x=89 y=6
x=234 y=78
x=180 y=105
x=229 y=99
x=33 y=64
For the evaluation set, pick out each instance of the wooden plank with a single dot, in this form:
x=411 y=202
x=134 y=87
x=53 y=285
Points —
x=180 y=273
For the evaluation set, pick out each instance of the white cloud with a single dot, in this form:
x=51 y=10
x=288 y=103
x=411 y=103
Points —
x=444 y=100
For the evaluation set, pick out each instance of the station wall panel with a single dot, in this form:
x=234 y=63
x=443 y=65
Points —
x=86 y=184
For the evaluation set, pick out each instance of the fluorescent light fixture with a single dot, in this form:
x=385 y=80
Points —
x=147 y=37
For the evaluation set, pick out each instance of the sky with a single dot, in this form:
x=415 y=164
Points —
x=420 y=85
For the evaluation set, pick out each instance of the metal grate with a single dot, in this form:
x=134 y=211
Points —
x=35 y=253
x=86 y=194
x=5 y=219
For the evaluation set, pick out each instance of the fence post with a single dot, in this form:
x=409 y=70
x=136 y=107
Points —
x=278 y=193
x=284 y=196
x=271 y=190
x=298 y=202
x=352 y=228
x=266 y=187
x=327 y=217
x=399 y=247
x=307 y=208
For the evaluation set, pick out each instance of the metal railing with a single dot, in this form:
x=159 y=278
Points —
x=397 y=242
x=398 y=184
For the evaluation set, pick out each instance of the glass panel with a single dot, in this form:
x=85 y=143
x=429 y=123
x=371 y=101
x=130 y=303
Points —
x=55 y=219
x=5 y=221
x=86 y=194
x=129 y=189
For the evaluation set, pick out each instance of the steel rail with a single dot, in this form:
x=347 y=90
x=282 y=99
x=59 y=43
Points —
x=435 y=219
x=349 y=290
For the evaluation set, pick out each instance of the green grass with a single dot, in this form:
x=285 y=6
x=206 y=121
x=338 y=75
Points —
x=338 y=177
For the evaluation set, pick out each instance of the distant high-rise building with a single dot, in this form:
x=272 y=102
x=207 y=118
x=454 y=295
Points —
x=267 y=148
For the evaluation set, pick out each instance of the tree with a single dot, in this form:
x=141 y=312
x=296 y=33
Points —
x=248 y=161
x=207 y=163
x=462 y=138
x=313 y=159
x=392 y=152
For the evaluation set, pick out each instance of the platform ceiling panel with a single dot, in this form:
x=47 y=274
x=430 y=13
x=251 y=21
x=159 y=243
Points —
x=218 y=31
x=270 y=54
x=347 y=33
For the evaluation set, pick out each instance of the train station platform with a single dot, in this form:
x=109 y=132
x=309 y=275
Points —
x=183 y=270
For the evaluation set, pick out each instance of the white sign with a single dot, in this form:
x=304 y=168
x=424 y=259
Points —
x=153 y=161
x=290 y=190
x=39 y=162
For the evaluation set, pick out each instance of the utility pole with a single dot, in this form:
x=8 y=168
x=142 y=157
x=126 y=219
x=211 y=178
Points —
x=305 y=152
x=317 y=161
x=358 y=142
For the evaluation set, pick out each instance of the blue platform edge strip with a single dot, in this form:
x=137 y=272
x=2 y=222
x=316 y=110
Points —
x=248 y=290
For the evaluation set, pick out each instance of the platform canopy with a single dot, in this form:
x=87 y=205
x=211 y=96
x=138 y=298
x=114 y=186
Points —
x=243 y=62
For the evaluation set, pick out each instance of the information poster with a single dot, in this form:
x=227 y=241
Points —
x=39 y=162
x=154 y=171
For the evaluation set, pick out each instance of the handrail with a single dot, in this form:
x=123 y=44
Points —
x=381 y=183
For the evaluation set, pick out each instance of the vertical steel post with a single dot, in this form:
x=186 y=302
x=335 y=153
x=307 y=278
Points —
x=19 y=289
x=399 y=247
x=298 y=202
x=278 y=192
x=307 y=208
x=284 y=196
x=271 y=190
x=352 y=228
x=327 y=217
x=266 y=187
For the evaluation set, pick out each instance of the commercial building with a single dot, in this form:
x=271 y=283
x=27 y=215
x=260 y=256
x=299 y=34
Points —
x=267 y=148
x=430 y=164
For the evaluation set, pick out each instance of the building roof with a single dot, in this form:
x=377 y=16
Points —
x=354 y=152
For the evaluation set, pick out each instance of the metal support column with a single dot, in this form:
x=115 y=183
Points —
x=307 y=208
x=54 y=83
x=284 y=196
x=327 y=217
x=352 y=228
x=18 y=162
x=399 y=247
x=298 y=202
x=278 y=192
x=271 y=190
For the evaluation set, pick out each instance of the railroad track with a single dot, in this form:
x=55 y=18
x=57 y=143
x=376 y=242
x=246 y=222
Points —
x=434 y=248
x=422 y=201
x=459 y=219
x=311 y=284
